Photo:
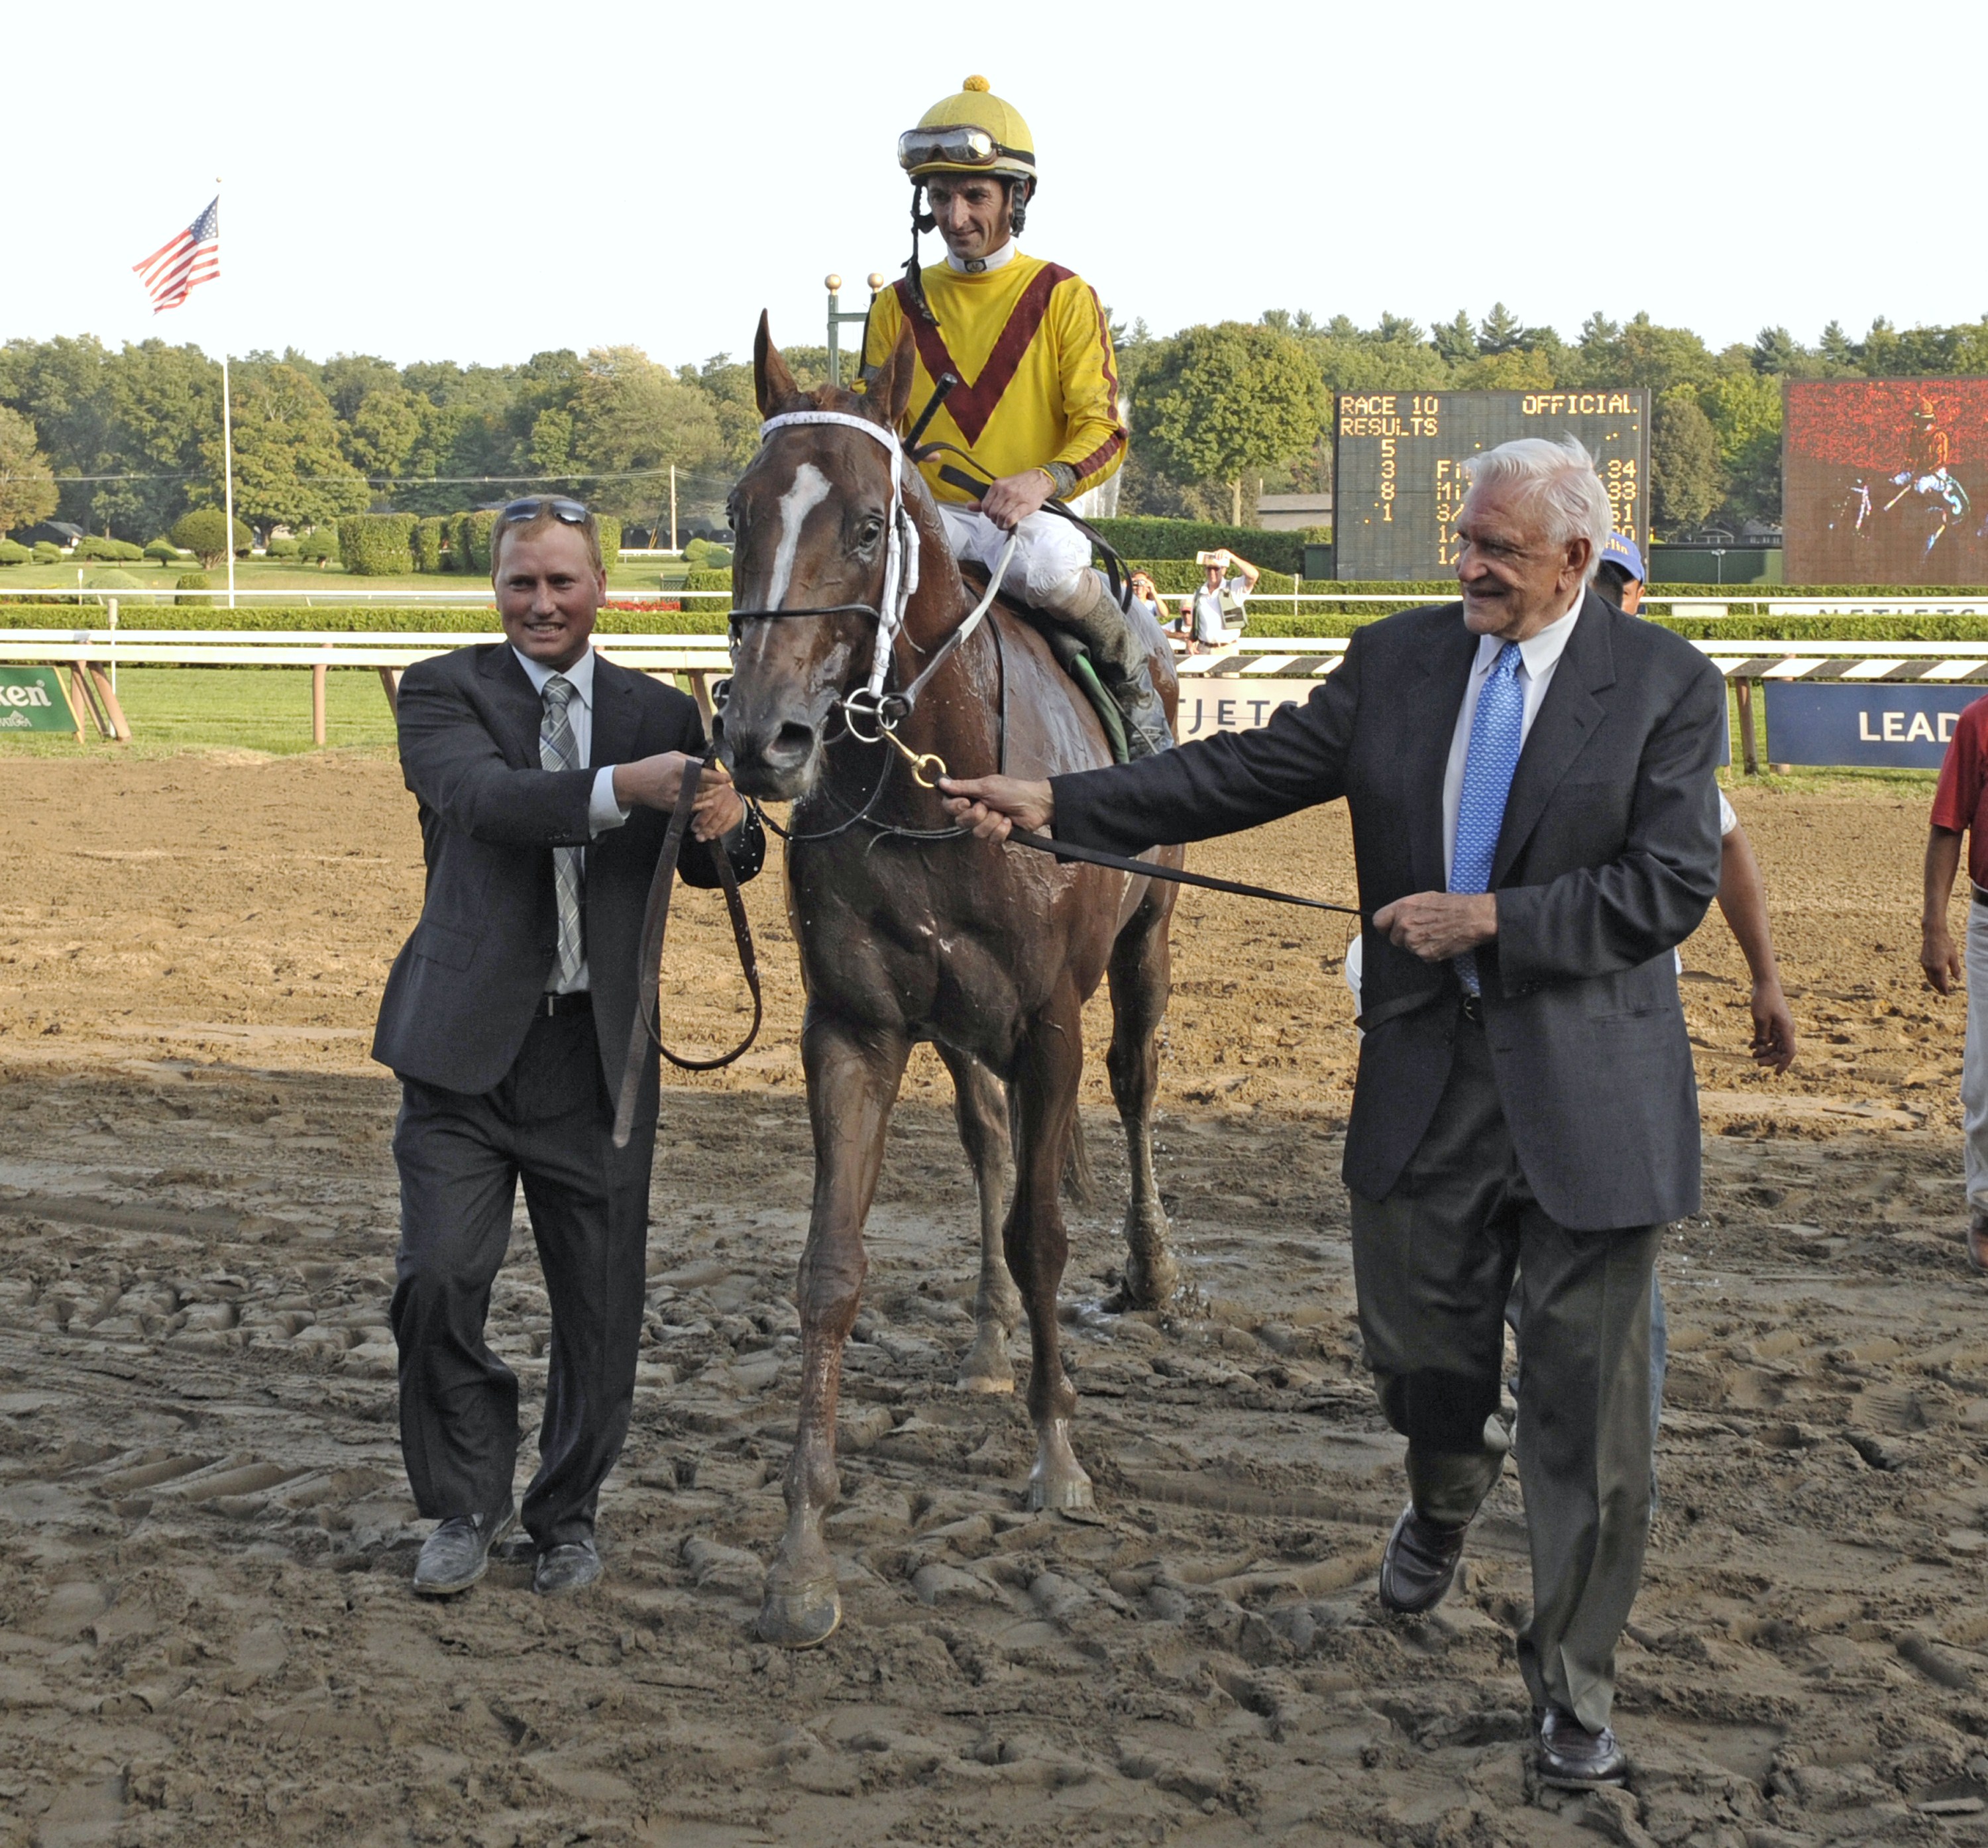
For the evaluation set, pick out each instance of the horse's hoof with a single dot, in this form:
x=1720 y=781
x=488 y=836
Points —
x=986 y=1383
x=1061 y=1491
x=802 y=1619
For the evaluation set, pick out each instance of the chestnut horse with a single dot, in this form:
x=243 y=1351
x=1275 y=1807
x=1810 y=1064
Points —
x=909 y=930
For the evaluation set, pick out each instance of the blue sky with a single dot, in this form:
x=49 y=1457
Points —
x=427 y=182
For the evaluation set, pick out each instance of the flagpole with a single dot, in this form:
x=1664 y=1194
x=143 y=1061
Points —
x=227 y=447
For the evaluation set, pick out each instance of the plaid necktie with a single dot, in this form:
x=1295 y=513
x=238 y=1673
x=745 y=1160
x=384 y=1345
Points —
x=558 y=751
x=1496 y=732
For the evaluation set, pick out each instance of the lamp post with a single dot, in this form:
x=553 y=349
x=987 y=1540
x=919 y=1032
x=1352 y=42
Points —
x=837 y=315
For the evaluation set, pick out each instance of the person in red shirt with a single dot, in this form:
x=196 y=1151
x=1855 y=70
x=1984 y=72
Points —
x=1960 y=806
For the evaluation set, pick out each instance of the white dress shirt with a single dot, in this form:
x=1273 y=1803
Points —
x=602 y=811
x=1538 y=657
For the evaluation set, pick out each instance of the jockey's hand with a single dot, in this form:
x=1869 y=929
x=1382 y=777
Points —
x=993 y=806
x=1012 y=499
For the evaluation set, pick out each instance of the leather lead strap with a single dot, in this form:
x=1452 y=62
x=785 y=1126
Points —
x=647 y=1026
x=1178 y=875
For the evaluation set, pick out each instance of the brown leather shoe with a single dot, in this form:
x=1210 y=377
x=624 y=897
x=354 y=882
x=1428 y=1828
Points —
x=1977 y=1241
x=1419 y=1564
x=1571 y=1758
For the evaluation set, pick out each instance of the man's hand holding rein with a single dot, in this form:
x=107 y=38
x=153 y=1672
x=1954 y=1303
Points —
x=992 y=807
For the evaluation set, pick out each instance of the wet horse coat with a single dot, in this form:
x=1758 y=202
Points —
x=908 y=931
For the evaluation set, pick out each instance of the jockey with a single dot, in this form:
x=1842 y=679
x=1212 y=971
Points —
x=1036 y=405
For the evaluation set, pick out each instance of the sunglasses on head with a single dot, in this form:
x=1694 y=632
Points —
x=570 y=512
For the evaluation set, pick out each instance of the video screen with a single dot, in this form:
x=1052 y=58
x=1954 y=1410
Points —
x=1885 y=481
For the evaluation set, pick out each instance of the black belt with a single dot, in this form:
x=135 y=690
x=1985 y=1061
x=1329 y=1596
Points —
x=1981 y=896
x=579 y=1001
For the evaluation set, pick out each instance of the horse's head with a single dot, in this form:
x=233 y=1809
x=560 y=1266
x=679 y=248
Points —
x=811 y=517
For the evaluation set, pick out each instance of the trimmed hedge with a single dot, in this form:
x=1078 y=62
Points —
x=1156 y=538
x=353 y=619
x=205 y=531
x=469 y=537
x=377 y=545
x=13 y=554
x=426 y=544
x=609 y=529
x=1177 y=577
x=91 y=548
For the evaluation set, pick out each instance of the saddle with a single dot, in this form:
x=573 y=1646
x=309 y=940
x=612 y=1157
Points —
x=1071 y=655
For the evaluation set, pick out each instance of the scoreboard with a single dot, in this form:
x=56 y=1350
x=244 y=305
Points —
x=1398 y=467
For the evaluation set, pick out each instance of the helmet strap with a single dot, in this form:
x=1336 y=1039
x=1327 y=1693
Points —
x=1020 y=193
x=914 y=279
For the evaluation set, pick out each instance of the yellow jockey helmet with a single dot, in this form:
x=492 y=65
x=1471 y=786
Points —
x=970 y=131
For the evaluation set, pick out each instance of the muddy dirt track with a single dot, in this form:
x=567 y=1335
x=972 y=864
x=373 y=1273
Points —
x=205 y=1635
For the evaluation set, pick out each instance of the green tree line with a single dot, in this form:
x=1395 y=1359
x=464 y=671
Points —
x=124 y=441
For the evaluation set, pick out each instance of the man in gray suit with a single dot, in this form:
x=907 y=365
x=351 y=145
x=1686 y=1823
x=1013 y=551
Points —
x=1529 y=774
x=545 y=775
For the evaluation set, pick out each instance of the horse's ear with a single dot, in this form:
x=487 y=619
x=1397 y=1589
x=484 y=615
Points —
x=890 y=388
x=772 y=384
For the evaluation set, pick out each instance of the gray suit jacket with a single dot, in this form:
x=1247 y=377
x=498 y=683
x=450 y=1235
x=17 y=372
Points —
x=463 y=990
x=1608 y=858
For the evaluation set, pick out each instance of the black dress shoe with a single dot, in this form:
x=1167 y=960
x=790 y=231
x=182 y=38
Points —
x=572 y=1567
x=1571 y=1758
x=458 y=1553
x=1420 y=1563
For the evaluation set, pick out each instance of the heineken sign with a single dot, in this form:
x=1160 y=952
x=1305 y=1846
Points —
x=32 y=699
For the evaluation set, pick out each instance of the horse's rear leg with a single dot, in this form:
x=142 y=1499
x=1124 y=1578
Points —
x=1047 y=1068
x=981 y=1111
x=852 y=1081
x=1142 y=977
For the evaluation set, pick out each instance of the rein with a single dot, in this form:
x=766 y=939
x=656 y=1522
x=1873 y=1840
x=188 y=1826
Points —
x=647 y=1024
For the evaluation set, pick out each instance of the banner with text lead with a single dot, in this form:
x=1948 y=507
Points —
x=32 y=699
x=1878 y=725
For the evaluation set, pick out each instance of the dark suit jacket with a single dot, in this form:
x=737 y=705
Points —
x=1608 y=858
x=462 y=991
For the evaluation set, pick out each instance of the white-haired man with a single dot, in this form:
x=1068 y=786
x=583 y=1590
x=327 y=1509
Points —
x=1529 y=774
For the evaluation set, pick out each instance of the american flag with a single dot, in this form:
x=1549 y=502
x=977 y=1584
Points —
x=193 y=256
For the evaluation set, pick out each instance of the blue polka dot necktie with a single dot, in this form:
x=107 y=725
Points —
x=1496 y=732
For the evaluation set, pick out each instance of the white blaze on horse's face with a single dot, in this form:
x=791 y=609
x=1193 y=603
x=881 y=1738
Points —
x=809 y=490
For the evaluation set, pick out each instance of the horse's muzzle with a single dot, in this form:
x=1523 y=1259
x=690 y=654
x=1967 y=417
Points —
x=771 y=757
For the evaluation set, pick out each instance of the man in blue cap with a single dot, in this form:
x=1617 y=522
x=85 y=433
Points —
x=1742 y=898
x=1619 y=577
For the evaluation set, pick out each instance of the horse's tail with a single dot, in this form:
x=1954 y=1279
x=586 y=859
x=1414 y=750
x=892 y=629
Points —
x=1079 y=1178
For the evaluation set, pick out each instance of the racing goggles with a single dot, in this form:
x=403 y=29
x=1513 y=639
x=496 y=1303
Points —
x=569 y=513
x=967 y=147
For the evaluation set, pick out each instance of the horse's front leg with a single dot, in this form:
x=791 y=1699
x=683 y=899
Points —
x=852 y=1082
x=982 y=1112
x=1142 y=978
x=1048 y=1065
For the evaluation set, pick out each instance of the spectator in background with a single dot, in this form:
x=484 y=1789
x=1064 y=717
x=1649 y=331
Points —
x=1743 y=895
x=1960 y=807
x=1218 y=611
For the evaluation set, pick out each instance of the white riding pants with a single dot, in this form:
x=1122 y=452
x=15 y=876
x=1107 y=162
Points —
x=1974 y=1061
x=1051 y=558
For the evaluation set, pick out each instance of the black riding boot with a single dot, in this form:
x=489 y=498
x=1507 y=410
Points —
x=1121 y=655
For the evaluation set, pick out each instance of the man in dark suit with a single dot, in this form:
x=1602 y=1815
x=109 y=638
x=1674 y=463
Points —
x=1529 y=774
x=545 y=776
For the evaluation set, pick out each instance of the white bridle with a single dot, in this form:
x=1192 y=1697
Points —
x=901 y=552
x=900 y=563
